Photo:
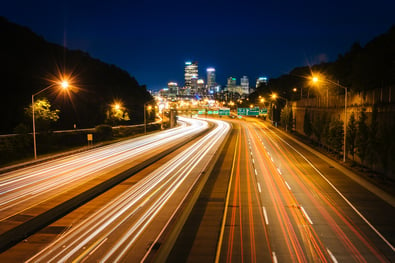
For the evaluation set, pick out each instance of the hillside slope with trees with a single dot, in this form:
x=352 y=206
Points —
x=29 y=64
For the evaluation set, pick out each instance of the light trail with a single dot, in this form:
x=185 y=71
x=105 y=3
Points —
x=123 y=221
x=300 y=171
x=23 y=188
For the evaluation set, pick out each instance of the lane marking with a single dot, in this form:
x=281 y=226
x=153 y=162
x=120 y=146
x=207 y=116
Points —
x=259 y=187
x=339 y=193
x=274 y=257
x=279 y=171
x=332 y=256
x=289 y=187
x=221 y=236
x=265 y=215
x=306 y=215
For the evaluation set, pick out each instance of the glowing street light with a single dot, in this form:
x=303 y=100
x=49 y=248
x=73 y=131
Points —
x=65 y=85
x=146 y=107
x=315 y=79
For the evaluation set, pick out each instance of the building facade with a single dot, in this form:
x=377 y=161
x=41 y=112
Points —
x=191 y=76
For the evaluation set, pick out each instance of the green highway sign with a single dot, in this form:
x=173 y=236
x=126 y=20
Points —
x=248 y=111
x=224 y=111
x=242 y=111
x=263 y=111
x=253 y=111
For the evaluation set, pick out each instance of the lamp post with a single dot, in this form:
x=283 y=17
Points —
x=315 y=80
x=145 y=116
x=64 y=85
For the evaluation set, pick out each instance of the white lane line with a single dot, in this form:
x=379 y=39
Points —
x=306 y=215
x=259 y=187
x=271 y=158
x=256 y=172
x=279 y=171
x=289 y=187
x=274 y=257
x=265 y=215
x=332 y=256
x=341 y=195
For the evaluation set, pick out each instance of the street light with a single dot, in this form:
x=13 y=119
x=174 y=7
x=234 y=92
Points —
x=65 y=85
x=315 y=79
x=145 y=117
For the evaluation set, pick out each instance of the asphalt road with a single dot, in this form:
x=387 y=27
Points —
x=269 y=198
x=285 y=202
x=128 y=224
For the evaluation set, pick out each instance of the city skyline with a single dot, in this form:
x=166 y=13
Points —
x=151 y=40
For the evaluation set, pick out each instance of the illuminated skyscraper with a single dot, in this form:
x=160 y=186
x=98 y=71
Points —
x=191 y=74
x=245 y=86
x=261 y=81
x=173 y=89
x=211 y=84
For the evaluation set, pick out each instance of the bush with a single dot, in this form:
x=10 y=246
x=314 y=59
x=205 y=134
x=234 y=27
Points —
x=103 y=132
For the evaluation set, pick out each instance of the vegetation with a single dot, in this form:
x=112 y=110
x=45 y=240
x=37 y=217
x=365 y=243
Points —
x=30 y=64
x=351 y=135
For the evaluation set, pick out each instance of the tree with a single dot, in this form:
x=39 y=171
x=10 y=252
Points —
x=287 y=118
x=307 y=127
x=362 y=136
x=336 y=134
x=43 y=114
x=351 y=135
x=116 y=114
x=373 y=140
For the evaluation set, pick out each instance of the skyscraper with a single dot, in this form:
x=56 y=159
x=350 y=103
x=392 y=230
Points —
x=245 y=86
x=211 y=80
x=191 y=73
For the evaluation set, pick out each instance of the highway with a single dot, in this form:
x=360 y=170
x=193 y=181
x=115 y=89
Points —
x=269 y=198
x=285 y=204
x=140 y=212
x=26 y=192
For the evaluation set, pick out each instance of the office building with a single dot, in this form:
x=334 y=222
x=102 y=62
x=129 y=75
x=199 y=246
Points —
x=191 y=75
x=211 y=84
x=245 y=86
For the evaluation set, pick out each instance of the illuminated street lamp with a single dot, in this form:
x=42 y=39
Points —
x=65 y=85
x=149 y=107
x=315 y=79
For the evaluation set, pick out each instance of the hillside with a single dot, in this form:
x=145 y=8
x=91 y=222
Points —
x=29 y=62
x=360 y=69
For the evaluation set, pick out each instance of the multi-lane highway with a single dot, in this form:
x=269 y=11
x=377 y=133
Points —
x=269 y=199
x=285 y=202
x=127 y=224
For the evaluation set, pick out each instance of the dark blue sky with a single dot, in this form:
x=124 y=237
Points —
x=152 y=39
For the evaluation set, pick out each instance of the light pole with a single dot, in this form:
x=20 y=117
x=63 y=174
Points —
x=315 y=80
x=64 y=85
x=145 y=117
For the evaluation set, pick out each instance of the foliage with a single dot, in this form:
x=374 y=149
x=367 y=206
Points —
x=373 y=140
x=386 y=145
x=43 y=114
x=362 y=136
x=103 y=132
x=351 y=135
x=336 y=135
x=307 y=126
x=286 y=118
x=28 y=61
x=116 y=115
x=318 y=124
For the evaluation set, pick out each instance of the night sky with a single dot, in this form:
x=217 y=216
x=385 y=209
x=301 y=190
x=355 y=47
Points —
x=152 y=39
